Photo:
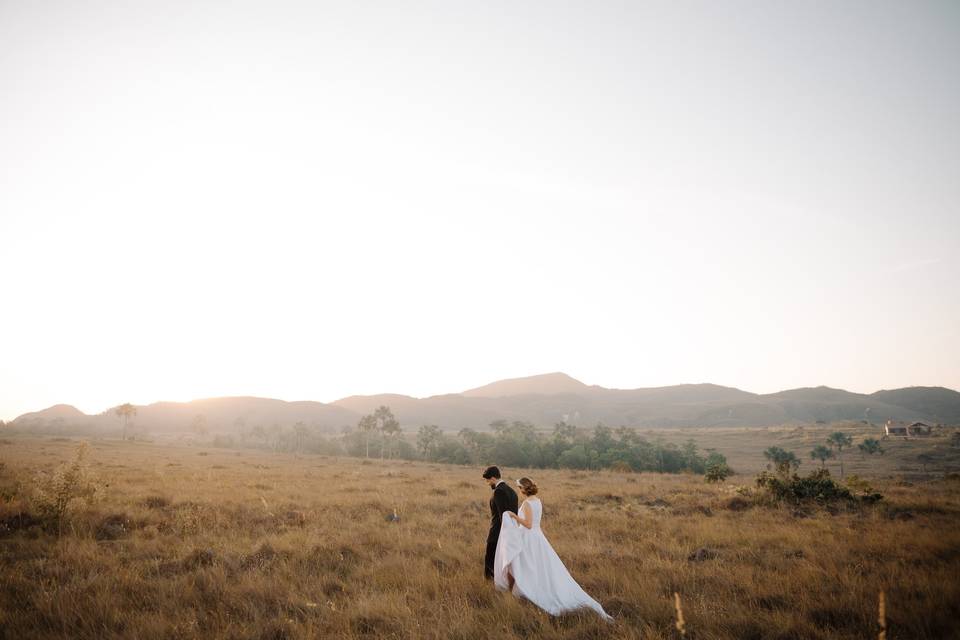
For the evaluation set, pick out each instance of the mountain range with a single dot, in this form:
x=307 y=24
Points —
x=543 y=400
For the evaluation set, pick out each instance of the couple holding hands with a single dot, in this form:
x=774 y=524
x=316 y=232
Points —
x=519 y=557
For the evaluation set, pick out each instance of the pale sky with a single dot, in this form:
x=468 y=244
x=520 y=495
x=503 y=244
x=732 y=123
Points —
x=316 y=199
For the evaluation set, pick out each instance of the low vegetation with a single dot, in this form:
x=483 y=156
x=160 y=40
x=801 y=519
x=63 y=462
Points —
x=248 y=544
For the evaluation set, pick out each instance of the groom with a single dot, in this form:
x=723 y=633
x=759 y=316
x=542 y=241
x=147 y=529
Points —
x=504 y=499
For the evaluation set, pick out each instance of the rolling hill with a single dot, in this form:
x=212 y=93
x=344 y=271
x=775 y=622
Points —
x=543 y=400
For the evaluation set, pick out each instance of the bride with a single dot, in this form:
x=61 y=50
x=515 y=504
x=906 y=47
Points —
x=527 y=565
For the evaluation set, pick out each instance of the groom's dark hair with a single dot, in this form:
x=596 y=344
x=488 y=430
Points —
x=491 y=472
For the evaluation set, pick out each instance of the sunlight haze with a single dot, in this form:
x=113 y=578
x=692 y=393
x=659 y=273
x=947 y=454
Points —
x=315 y=200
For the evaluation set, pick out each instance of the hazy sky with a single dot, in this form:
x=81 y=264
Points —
x=309 y=200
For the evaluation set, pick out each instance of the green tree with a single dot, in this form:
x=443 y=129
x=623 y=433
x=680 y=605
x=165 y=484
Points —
x=428 y=440
x=781 y=459
x=564 y=433
x=840 y=440
x=366 y=426
x=822 y=453
x=870 y=446
x=388 y=425
x=125 y=412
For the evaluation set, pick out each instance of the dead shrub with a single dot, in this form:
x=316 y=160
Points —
x=113 y=527
x=374 y=624
x=19 y=521
x=156 y=502
x=737 y=503
x=295 y=518
x=198 y=558
x=263 y=558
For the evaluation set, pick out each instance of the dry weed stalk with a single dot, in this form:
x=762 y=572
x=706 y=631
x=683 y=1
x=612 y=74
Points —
x=681 y=624
x=882 y=616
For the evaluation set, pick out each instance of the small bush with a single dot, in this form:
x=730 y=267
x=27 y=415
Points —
x=862 y=490
x=56 y=493
x=717 y=472
x=817 y=487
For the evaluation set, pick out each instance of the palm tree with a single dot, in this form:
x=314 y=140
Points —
x=822 y=453
x=839 y=440
x=125 y=412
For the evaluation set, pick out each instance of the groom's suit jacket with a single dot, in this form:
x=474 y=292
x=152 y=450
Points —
x=504 y=499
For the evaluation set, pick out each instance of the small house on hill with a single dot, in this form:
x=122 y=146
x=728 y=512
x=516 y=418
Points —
x=903 y=429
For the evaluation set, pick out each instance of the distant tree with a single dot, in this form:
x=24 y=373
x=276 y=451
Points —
x=388 y=425
x=274 y=434
x=822 y=453
x=477 y=444
x=692 y=460
x=924 y=459
x=366 y=426
x=781 y=459
x=870 y=446
x=428 y=440
x=840 y=440
x=259 y=433
x=125 y=412
x=499 y=427
x=199 y=425
x=300 y=432
x=602 y=437
x=240 y=425
x=564 y=433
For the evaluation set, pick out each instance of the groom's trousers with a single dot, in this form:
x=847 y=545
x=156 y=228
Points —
x=492 y=538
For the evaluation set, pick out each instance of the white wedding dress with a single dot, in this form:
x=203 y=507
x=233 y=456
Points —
x=538 y=573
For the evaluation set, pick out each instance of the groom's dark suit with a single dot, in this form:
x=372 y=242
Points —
x=504 y=499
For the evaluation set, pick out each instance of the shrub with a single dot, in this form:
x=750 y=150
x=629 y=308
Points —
x=717 y=472
x=862 y=489
x=55 y=494
x=818 y=487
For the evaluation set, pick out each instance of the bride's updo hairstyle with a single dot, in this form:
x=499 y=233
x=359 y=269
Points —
x=528 y=486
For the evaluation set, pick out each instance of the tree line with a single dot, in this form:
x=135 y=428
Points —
x=515 y=444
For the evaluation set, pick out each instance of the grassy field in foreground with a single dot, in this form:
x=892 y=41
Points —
x=207 y=543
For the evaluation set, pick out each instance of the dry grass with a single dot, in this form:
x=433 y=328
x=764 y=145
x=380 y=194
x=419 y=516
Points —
x=253 y=545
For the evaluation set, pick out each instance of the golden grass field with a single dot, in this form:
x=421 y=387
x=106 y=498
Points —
x=190 y=542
